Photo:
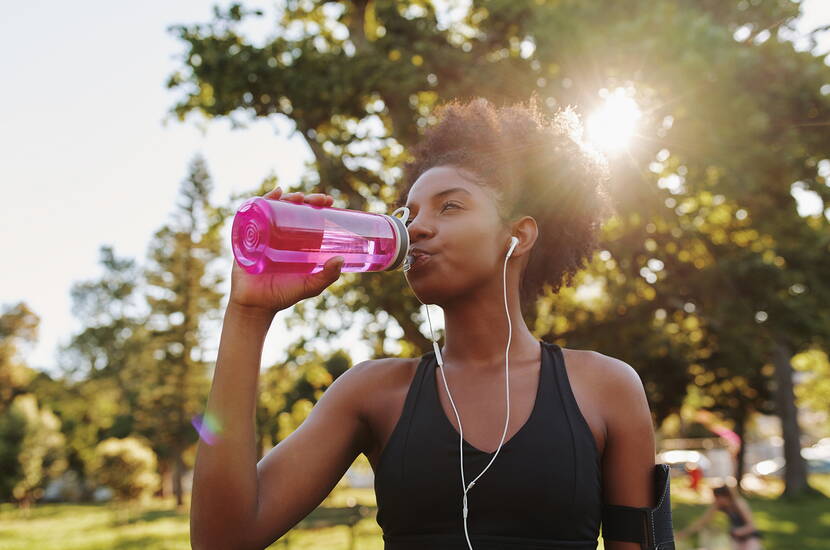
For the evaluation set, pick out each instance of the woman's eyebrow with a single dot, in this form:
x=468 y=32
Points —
x=443 y=193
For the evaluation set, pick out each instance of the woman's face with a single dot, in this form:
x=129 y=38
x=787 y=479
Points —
x=456 y=221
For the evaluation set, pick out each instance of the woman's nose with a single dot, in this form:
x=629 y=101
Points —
x=417 y=229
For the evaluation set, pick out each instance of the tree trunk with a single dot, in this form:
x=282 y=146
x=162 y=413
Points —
x=356 y=21
x=740 y=429
x=178 y=473
x=795 y=471
x=164 y=472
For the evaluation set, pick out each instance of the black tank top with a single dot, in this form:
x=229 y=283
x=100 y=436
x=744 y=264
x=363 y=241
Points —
x=542 y=492
x=735 y=517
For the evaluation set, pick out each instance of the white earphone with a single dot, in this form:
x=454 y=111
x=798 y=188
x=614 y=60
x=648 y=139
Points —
x=514 y=241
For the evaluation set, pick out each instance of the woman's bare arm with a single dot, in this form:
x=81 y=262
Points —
x=236 y=503
x=300 y=472
x=239 y=504
x=698 y=524
x=628 y=457
x=224 y=498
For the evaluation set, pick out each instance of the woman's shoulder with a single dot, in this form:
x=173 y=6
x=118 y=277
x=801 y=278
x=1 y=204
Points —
x=387 y=370
x=613 y=385
x=607 y=373
x=382 y=377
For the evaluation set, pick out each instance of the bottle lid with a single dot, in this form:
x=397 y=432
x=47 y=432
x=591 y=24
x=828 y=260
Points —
x=402 y=238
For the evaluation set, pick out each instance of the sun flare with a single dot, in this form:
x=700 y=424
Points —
x=612 y=126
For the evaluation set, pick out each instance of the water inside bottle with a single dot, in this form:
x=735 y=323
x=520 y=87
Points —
x=272 y=236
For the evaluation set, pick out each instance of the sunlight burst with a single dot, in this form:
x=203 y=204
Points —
x=612 y=126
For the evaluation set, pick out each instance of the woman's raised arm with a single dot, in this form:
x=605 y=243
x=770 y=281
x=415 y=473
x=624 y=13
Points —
x=237 y=503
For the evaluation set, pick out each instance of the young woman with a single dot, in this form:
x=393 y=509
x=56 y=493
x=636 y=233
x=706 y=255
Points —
x=579 y=433
x=745 y=536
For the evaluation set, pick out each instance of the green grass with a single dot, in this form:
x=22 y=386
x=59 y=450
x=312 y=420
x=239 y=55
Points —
x=802 y=525
x=87 y=527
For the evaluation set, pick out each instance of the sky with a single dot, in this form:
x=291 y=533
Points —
x=86 y=136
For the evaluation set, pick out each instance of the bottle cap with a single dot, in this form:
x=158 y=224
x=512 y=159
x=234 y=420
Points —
x=402 y=238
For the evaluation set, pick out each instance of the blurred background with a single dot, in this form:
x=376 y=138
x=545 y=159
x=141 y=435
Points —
x=131 y=133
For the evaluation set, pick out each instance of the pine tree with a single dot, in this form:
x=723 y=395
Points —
x=182 y=295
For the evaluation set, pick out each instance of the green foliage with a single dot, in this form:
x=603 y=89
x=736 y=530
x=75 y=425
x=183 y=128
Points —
x=814 y=390
x=127 y=466
x=96 y=397
x=18 y=328
x=288 y=390
x=90 y=410
x=31 y=449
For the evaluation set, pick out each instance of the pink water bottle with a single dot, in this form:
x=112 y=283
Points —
x=286 y=237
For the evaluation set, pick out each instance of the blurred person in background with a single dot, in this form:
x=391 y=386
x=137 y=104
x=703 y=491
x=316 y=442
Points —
x=745 y=536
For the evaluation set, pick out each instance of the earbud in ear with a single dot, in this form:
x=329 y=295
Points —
x=513 y=242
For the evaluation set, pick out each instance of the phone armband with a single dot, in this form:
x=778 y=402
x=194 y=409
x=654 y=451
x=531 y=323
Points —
x=650 y=527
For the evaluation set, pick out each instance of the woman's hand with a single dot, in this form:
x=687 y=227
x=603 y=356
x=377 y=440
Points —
x=267 y=293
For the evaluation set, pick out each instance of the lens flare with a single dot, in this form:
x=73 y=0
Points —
x=208 y=427
x=613 y=125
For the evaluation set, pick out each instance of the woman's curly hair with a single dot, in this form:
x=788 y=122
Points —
x=536 y=166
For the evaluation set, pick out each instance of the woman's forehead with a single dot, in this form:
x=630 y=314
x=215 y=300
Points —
x=441 y=181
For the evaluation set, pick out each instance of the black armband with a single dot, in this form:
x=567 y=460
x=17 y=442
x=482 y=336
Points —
x=650 y=527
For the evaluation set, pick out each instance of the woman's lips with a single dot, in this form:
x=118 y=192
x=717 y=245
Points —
x=420 y=261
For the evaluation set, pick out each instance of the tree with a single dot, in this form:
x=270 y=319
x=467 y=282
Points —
x=97 y=396
x=127 y=466
x=182 y=294
x=31 y=449
x=708 y=248
x=289 y=389
x=18 y=328
x=106 y=307
x=89 y=411
x=814 y=390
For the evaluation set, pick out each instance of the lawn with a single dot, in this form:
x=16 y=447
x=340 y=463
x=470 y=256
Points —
x=802 y=525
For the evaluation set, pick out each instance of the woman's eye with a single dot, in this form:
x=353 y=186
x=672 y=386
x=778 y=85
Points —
x=444 y=207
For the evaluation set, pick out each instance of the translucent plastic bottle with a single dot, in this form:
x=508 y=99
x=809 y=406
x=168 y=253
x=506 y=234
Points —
x=288 y=237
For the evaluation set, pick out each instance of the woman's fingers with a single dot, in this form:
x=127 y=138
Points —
x=274 y=194
x=319 y=199
x=294 y=197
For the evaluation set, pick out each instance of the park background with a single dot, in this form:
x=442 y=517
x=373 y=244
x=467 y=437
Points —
x=130 y=134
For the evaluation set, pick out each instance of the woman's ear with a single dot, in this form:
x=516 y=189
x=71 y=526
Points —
x=527 y=231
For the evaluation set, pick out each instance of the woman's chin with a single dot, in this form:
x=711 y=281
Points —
x=429 y=292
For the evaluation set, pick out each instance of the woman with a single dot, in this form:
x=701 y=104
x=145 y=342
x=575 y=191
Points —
x=745 y=536
x=579 y=433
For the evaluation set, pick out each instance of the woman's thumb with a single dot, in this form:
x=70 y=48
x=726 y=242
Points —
x=326 y=276
x=335 y=265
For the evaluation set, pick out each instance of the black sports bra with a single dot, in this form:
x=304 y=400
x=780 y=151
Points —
x=542 y=492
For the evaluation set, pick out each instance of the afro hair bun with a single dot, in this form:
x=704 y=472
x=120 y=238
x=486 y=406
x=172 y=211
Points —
x=537 y=166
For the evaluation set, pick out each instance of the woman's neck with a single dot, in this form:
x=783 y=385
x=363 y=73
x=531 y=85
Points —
x=476 y=327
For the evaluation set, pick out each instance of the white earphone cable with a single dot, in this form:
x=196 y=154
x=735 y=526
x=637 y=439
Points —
x=440 y=360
